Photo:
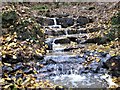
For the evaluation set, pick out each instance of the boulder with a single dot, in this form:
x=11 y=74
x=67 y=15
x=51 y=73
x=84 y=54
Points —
x=82 y=20
x=73 y=39
x=98 y=40
x=9 y=59
x=113 y=64
x=62 y=41
x=45 y=21
x=65 y=22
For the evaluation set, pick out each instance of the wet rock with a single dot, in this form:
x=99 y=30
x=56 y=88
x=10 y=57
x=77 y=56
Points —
x=28 y=70
x=73 y=31
x=70 y=48
x=114 y=65
x=49 y=46
x=65 y=22
x=61 y=32
x=49 y=43
x=7 y=69
x=45 y=22
x=93 y=30
x=59 y=15
x=38 y=57
x=48 y=22
x=49 y=32
x=50 y=61
x=73 y=39
x=17 y=67
x=62 y=41
x=82 y=20
x=91 y=8
x=10 y=59
x=19 y=75
x=103 y=54
x=40 y=20
x=98 y=40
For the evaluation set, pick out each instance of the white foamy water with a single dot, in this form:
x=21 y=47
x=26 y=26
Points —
x=108 y=78
x=84 y=81
x=80 y=81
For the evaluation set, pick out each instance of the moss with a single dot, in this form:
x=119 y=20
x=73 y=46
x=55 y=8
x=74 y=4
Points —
x=115 y=30
x=8 y=18
x=115 y=20
x=40 y=8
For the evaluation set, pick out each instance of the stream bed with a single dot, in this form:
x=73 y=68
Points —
x=62 y=66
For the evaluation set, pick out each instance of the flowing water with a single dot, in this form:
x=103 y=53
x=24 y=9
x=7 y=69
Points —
x=66 y=67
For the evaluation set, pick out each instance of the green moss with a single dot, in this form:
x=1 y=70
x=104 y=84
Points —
x=40 y=8
x=115 y=20
x=8 y=18
x=115 y=30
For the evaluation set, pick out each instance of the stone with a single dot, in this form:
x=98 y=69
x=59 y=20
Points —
x=113 y=65
x=65 y=22
x=48 y=22
x=40 y=20
x=82 y=20
x=59 y=15
x=45 y=21
x=98 y=40
x=72 y=31
x=9 y=18
x=91 y=8
x=70 y=48
x=9 y=59
x=62 y=41
x=49 y=43
x=73 y=39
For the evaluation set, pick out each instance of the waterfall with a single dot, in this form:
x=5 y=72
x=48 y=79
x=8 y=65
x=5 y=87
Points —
x=55 y=24
x=66 y=32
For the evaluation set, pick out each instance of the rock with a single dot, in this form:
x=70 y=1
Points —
x=18 y=67
x=62 y=41
x=48 y=22
x=82 y=20
x=61 y=32
x=73 y=31
x=45 y=21
x=70 y=48
x=114 y=65
x=58 y=15
x=65 y=22
x=50 y=61
x=49 y=46
x=73 y=39
x=93 y=30
x=9 y=59
x=49 y=42
x=98 y=40
x=9 y=18
x=38 y=57
x=91 y=8
x=7 y=69
x=40 y=20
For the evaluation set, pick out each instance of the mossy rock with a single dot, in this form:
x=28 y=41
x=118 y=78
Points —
x=115 y=20
x=9 y=18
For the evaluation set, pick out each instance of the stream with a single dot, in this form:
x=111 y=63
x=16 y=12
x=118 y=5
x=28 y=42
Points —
x=63 y=64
